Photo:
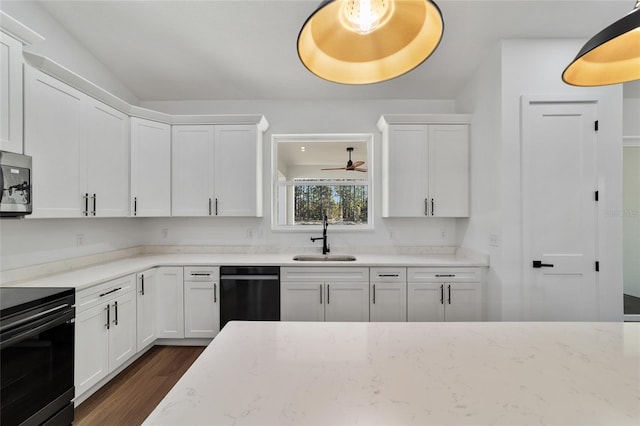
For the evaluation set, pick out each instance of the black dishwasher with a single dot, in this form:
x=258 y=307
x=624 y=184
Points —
x=249 y=293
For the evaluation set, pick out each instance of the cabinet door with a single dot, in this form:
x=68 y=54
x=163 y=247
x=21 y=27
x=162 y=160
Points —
x=425 y=302
x=192 y=171
x=347 y=301
x=146 y=308
x=302 y=301
x=464 y=302
x=405 y=176
x=54 y=122
x=107 y=160
x=122 y=334
x=237 y=171
x=389 y=302
x=11 y=89
x=201 y=309
x=169 y=303
x=150 y=168
x=449 y=170
x=91 y=362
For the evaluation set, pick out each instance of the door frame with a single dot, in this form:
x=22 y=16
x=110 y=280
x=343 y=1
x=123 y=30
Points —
x=628 y=141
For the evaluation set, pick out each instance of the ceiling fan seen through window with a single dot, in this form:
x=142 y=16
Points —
x=350 y=164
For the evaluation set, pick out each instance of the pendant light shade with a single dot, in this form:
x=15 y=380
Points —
x=368 y=41
x=611 y=56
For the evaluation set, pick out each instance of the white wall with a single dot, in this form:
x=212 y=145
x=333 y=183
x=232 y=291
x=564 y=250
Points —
x=25 y=242
x=481 y=98
x=63 y=48
x=631 y=186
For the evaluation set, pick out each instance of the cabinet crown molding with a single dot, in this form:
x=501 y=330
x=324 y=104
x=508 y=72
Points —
x=78 y=82
x=18 y=30
x=388 y=119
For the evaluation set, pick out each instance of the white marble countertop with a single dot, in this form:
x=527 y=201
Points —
x=287 y=373
x=95 y=274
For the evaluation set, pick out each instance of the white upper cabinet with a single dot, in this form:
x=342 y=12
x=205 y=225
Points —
x=79 y=148
x=150 y=168
x=13 y=35
x=425 y=167
x=217 y=170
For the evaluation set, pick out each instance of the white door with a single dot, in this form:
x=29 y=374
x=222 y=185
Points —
x=236 y=170
x=11 y=89
x=146 y=309
x=107 y=160
x=122 y=333
x=406 y=165
x=425 y=302
x=150 y=168
x=302 y=301
x=449 y=170
x=201 y=316
x=559 y=181
x=463 y=302
x=192 y=171
x=347 y=301
x=91 y=347
x=389 y=302
x=170 y=303
x=55 y=117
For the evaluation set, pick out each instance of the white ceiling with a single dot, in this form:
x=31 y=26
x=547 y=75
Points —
x=240 y=49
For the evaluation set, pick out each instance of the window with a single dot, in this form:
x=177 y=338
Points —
x=312 y=178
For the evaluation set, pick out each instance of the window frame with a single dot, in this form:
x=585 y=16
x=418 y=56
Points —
x=276 y=184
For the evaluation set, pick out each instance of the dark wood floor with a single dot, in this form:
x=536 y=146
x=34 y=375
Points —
x=631 y=305
x=133 y=394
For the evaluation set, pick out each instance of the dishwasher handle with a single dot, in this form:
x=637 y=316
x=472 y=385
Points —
x=249 y=277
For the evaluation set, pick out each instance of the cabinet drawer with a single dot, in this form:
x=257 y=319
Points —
x=324 y=274
x=439 y=275
x=201 y=273
x=388 y=275
x=92 y=296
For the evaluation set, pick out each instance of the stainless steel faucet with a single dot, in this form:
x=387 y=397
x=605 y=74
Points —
x=325 y=246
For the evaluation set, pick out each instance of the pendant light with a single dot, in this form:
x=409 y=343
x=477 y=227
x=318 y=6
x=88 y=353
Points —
x=368 y=41
x=611 y=56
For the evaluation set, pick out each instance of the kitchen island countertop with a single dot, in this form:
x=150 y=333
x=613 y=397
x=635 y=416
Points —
x=283 y=373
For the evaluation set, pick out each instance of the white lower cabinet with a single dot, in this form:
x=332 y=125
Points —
x=324 y=294
x=105 y=335
x=169 y=303
x=435 y=294
x=201 y=302
x=146 y=307
x=388 y=294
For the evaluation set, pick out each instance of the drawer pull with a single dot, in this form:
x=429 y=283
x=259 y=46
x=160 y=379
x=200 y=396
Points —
x=111 y=291
x=388 y=275
x=445 y=275
x=200 y=274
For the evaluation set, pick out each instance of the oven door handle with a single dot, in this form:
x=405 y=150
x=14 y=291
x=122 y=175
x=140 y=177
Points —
x=28 y=330
x=33 y=318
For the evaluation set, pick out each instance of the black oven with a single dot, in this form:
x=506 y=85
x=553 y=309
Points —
x=36 y=356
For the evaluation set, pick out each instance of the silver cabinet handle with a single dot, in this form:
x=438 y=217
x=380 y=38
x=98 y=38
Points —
x=106 y=308
x=142 y=285
x=93 y=197
x=85 y=198
x=215 y=291
x=321 y=294
x=442 y=294
x=209 y=206
x=426 y=207
x=449 y=293
x=115 y=319
x=374 y=294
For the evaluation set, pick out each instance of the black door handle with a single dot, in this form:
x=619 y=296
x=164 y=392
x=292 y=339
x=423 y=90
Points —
x=539 y=264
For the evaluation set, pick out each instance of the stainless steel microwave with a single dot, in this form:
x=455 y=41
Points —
x=15 y=181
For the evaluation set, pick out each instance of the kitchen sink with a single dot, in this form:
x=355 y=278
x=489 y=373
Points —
x=324 y=258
